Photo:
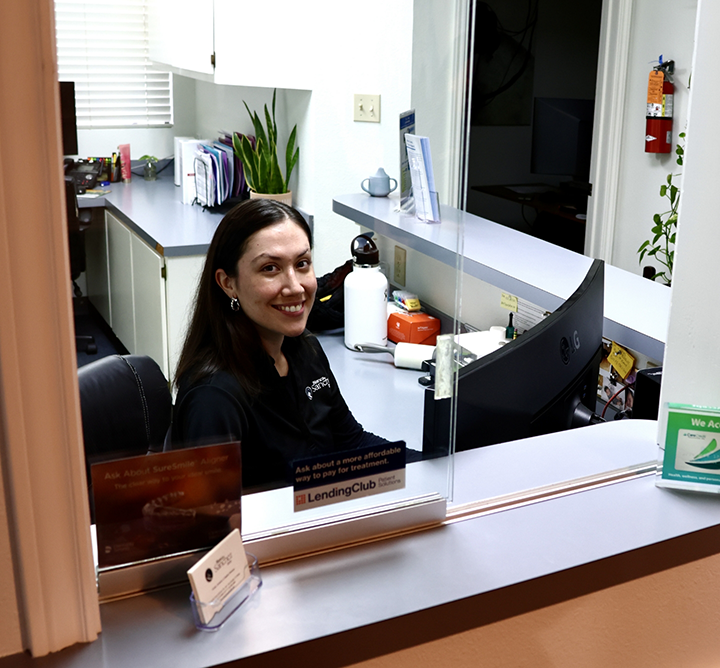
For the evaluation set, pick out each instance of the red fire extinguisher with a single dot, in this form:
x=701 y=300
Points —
x=658 y=119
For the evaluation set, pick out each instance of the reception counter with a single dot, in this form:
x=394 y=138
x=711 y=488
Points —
x=498 y=555
x=342 y=607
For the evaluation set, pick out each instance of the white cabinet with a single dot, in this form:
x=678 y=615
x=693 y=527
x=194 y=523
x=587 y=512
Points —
x=96 y=261
x=126 y=284
x=149 y=302
x=146 y=298
x=251 y=43
x=120 y=283
x=183 y=276
x=181 y=34
x=259 y=47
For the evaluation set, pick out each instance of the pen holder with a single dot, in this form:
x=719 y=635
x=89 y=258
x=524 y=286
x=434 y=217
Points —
x=243 y=594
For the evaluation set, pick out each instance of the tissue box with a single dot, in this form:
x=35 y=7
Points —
x=413 y=328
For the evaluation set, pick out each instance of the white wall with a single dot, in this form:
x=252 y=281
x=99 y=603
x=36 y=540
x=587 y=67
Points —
x=658 y=27
x=692 y=361
x=336 y=154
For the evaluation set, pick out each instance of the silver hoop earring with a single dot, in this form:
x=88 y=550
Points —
x=234 y=304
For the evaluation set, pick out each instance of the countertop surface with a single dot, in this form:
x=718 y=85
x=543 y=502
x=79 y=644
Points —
x=154 y=210
x=369 y=586
x=636 y=309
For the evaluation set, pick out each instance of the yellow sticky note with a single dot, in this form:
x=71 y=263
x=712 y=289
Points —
x=510 y=302
x=621 y=360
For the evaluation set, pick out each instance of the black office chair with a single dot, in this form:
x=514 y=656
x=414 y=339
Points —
x=126 y=408
x=78 y=222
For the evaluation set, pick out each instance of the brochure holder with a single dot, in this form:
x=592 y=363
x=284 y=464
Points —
x=240 y=597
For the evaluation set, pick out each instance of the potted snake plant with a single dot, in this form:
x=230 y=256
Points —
x=260 y=161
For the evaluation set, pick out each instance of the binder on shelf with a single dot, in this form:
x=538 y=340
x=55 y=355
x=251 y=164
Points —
x=427 y=207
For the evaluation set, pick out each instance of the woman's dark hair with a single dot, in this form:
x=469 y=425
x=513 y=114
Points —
x=218 y=337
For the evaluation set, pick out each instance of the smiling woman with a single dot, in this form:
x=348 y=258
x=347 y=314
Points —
x=249 y=370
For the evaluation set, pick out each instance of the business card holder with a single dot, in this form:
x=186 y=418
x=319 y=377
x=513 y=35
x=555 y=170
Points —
x=232 y=604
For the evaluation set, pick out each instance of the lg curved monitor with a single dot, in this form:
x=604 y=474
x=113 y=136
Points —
x=543 y=381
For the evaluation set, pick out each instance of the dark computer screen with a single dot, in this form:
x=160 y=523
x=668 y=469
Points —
x=68 y=117
x=543 y=381
x=562 y=137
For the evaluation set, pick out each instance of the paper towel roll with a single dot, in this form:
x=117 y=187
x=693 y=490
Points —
x=412 y=355
x=499 y=331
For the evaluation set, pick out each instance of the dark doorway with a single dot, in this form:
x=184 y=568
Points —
x=533 y=92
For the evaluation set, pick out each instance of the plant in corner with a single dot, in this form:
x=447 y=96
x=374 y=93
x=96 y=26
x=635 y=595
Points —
x=661 y=247
x=260 y=163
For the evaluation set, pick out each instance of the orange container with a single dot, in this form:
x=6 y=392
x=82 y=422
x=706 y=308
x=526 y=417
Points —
x=413 y=328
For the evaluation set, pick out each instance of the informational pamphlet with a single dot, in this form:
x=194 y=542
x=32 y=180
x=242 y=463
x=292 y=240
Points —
x=407 y=126
x=155 y=505
x=427 y=207
x=691 y=459
x=341 y=476
x=218 y=575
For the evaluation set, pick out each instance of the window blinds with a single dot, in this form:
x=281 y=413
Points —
x=103 y=48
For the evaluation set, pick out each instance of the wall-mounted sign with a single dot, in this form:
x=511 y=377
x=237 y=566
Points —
x=154 y=505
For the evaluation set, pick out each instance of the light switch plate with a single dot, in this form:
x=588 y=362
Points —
x=367 y=108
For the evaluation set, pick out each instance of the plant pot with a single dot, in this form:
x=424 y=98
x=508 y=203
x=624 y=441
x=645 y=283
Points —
x=285 y=198
x=150 y=171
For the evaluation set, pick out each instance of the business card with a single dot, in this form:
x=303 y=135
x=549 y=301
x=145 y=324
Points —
x=218 y=575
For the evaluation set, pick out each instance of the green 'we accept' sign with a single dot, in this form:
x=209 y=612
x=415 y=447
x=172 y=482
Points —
x=692 y=449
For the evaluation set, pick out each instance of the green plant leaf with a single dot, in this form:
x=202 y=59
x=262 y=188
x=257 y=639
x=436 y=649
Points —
x=663 y=190
x=264 y=170
x=249 y=160
x=669 y=178
x=291 y=156
x=672 y=239
x=273 y=112
x=257 y=125
x=271 y=132
x=657 y=219
x=673 y=193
